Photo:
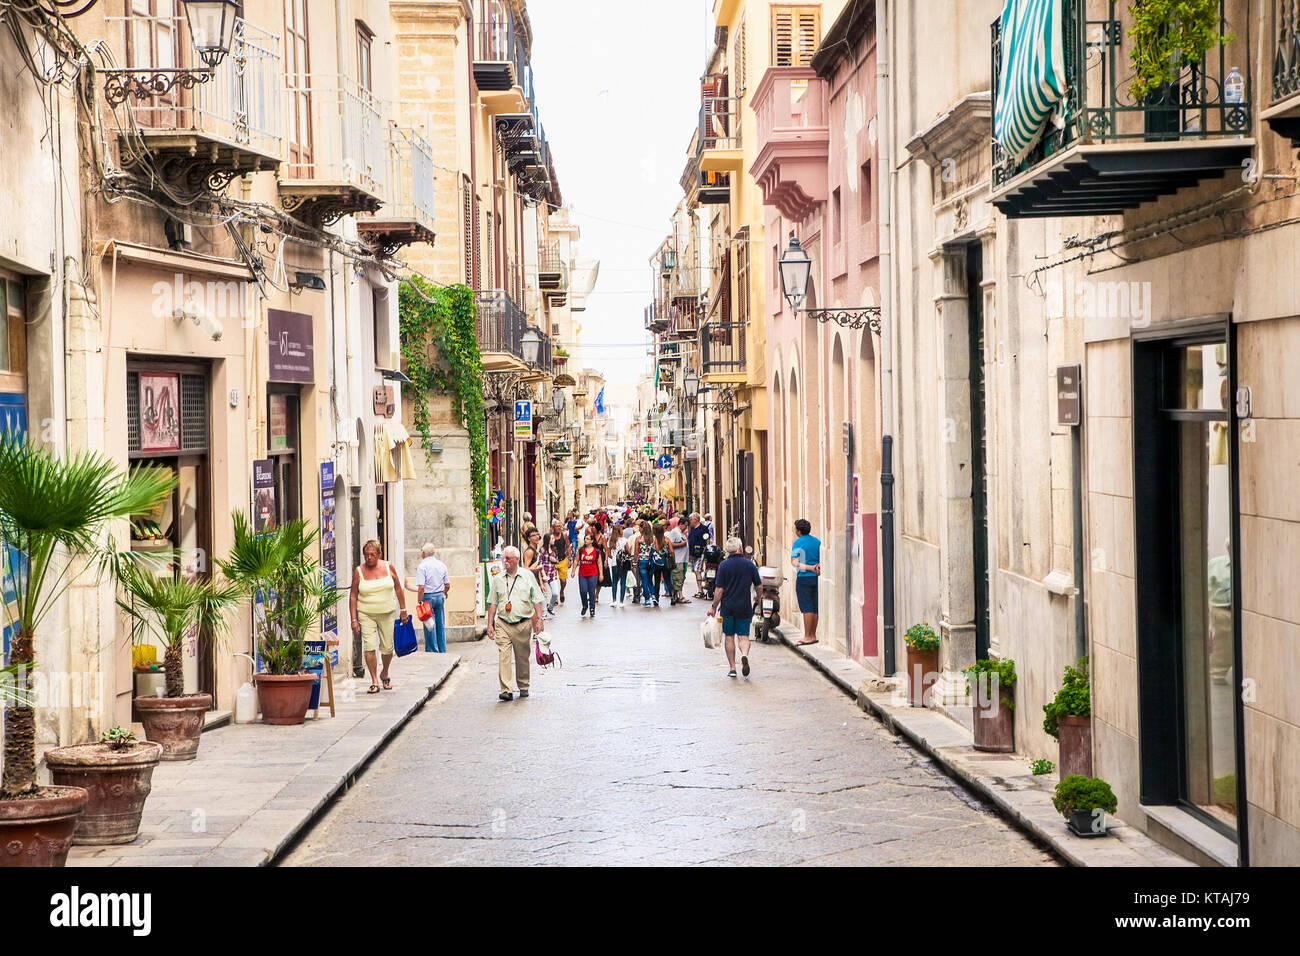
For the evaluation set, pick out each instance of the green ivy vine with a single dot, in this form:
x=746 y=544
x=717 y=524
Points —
x=438 y=328
x=1168 y=36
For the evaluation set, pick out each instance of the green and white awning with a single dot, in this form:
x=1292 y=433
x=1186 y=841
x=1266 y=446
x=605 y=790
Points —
x=1032 y=78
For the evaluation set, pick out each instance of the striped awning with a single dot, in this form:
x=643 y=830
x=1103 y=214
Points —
x=1032 y=78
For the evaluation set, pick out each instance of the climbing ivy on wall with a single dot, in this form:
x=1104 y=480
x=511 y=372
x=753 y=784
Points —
x=440 y=349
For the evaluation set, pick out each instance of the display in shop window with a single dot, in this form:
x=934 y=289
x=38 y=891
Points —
x=160 y=419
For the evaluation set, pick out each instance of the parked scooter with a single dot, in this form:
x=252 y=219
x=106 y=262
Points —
x=767 y=616
x=712 y=558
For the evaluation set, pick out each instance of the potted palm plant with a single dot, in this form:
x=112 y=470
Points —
x=171 y=607
x=289 y=596
x=1069 y=719
x=55 y=512
x=117 y=773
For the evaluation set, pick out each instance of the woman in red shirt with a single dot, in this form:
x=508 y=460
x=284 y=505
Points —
x=589 y=573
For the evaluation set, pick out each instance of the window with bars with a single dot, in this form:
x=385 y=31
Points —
x=193 y=412
x=796 y=32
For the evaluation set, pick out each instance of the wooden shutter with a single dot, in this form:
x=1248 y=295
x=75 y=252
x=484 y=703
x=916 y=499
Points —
x=796 y=33
x=741 y=67
x=468 y=232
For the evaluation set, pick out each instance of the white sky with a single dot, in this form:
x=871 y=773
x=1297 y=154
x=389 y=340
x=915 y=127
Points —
x=618 y=92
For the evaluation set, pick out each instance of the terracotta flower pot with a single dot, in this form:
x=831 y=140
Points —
x=284 y=698
x=1075 y=737
x=994 y=721
x=922 y=673
x=37 y=830
x=174 y=722
x=118 y=782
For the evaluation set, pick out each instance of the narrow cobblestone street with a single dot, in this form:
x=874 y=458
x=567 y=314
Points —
x=641 y=750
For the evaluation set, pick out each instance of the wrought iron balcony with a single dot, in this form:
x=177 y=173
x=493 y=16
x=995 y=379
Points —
x=1283 y=111
x=338 y=149
x=501 y=70
x=722 y=348
x=793 y=140
x=715 y=189
x=550 y=268
x=500 y=333
x=718 y=143
x=1106 y=151
x=407 y=214
x=203 y=135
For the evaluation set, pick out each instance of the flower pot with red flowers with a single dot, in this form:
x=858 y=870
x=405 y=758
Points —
x=276 y=568
x=1069 y=719
x=117 y=773
x=167 y=606
x=922 y=662
x=991 y=686
x=54 y=511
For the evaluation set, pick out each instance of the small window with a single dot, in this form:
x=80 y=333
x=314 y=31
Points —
x=865 y=197
x=837 y=218
x=13 y=334
x=384 y=357
x=365 y=70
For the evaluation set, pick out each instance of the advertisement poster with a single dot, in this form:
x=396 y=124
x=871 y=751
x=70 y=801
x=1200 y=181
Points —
x=278 y=423
x=160 y=413
x=523 y=421
x=329 y=624
x=263 y=494
x=289 y=344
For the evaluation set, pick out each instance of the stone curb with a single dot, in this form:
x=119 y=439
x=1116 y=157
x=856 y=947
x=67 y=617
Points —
x=1017 y=794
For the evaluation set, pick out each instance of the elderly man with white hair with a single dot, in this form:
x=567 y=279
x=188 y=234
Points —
x=433 y=585
x=513 y=597
x=734 y=590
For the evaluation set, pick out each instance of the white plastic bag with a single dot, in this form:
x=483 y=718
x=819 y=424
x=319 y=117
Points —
x=711 y=631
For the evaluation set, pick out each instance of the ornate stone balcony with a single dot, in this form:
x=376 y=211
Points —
x=793 y=140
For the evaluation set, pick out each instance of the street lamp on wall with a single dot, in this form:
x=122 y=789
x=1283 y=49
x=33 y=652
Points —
x=557 y=400
x=691 y=385
x=795 y=267
x=212 y=32
x=531 y=345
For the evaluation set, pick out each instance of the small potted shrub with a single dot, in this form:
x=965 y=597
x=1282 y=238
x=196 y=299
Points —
x=1069 y=719
x=994 y=704
x=922 y=661
x=1084 y=802
x=117 y=772
x=171 y=607
x=289 y=596
x=55 y=512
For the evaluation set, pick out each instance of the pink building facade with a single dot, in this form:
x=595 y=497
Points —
x=817 y=168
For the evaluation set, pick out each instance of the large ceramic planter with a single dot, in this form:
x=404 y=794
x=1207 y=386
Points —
x=1075 y=737
x=284 y=698
x=922 y=673
x=994 y=721
x=118 y=781
x=37 y=830
x=174 y=722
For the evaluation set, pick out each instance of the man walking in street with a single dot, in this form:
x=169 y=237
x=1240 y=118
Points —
x=681 y=547
x=806 y=556
x=734 y=591
x=514 y=597
x=433 y=584
x=697 y=540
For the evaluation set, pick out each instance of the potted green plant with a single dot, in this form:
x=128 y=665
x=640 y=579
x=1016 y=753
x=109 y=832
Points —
x=994 y=704
x=170 y=607
x=55 y=512
x=289 y=596
x=1069 y=719
x=1169 y=37
x=117 y=773
x=922 y=661
x=1084 y=803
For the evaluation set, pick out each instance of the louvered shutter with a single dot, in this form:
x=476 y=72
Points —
x=741 y=56
x=782 y=37
x=468 y=232
x=807 y=35
x=796 y=32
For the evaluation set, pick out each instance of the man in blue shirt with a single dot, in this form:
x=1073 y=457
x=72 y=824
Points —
x=734 y=591
x=697 y=540
x=806 y=556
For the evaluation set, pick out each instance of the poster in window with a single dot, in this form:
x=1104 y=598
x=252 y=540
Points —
x=160 y=412
x=279 y=423
x=263 y=495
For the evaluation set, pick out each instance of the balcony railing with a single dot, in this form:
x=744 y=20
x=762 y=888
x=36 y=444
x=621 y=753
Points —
x=1099 y=106
x=789 y=100
x=341 y=133
x=242 y=103
x=719 y=123
x=501 y=323
x=1286 y=53
x=409 y=197
x=723 y=347
x=500 y=62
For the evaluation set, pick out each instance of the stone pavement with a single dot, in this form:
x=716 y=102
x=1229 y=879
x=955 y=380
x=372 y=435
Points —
x=640 y=750
x=1003 y=780
x=254 y=787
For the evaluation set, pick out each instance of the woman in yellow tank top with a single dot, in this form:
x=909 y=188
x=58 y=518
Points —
x=374 y=603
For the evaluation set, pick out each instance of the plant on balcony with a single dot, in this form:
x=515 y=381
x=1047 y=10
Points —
x=441 y=353
x=1169 y=36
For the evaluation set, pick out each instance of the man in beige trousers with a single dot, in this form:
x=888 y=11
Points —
x=513 y=597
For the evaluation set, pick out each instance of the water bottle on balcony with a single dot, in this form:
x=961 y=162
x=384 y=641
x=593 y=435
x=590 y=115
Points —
x=1234 y=88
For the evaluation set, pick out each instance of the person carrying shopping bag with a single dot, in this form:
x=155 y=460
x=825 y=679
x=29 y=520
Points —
x=374 y=602
x=433 y=587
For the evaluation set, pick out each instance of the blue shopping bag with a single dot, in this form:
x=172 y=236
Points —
x=404 y=637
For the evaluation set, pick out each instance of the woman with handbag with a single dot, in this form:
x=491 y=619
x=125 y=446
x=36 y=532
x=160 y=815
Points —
x=663 y=562
x=621 y=566
x=549 y=574
x=374 y=601
x=645 y=564
x=588 y=573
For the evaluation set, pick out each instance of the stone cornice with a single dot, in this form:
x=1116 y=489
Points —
x=447 y=14
x=967 y=123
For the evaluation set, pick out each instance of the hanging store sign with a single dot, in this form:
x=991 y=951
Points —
x=523 y=421
x=289 y=346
